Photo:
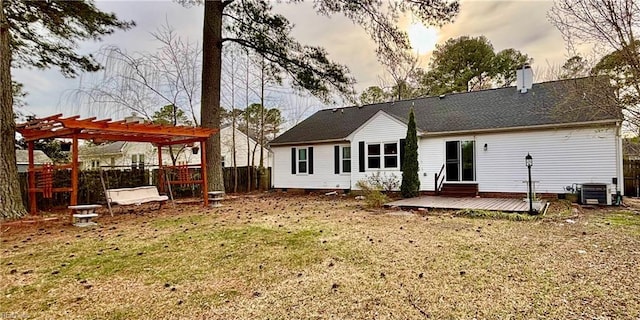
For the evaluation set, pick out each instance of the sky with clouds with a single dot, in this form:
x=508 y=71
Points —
x=522 y=25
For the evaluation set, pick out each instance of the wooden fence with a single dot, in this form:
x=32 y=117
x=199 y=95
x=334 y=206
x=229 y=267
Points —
x=91 y=191
x=247 y=176
x=631 y=178
x=89 y=185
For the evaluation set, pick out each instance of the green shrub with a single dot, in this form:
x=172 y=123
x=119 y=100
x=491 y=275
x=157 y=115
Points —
x=373 y=196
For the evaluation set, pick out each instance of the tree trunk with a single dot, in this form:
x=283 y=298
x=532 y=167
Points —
x=234 y=155
x=10 y=197
x=233 y=123
x=210 y=101
x=246 y=116
x=262 y=83
x=261 y=168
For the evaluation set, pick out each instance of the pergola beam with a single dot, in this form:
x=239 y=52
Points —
x=33 y=135
x=120 y=137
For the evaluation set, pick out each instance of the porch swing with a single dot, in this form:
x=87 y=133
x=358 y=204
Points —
x=131 y=196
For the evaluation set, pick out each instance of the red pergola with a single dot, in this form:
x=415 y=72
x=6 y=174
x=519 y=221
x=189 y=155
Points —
x=74 y=128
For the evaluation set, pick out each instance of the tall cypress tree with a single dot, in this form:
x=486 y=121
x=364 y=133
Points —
x=410 y=180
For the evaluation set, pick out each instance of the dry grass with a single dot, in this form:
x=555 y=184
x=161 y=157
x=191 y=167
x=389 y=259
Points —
x=280 y=257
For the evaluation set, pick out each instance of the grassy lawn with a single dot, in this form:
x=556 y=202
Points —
x=308 y=257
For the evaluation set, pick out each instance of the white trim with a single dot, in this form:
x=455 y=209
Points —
x=619 y=161
x=304 y=143
x=520 y=128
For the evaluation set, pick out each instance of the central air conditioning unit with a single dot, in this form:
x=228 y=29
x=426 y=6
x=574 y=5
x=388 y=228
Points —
x=595 y=193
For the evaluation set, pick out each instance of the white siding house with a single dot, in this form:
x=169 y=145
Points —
x=247 y=150
x=39 y=158
x=477 y=138
x=117 y=154
x=126 y=154
x=387 y=160
x=318 y=172
x=562 y=157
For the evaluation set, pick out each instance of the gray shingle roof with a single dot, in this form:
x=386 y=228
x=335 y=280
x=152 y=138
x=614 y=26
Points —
x=631 y=148
x=556 y=102
x=39 y=157
x=107 y=148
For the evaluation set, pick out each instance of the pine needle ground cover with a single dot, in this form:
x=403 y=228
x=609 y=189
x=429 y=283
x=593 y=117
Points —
x=312 y=257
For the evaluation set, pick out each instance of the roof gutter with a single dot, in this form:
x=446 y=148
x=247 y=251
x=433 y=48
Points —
x=100 y=154
x=523 y=128
x=307 y=142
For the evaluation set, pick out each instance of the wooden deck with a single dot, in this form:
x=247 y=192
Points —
x=436 y=202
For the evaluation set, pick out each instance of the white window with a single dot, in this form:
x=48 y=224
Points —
x=302 y=160
x=373 y=156
x=137 y=161
x=346 y=159
x=383 y=155
x=391 y=155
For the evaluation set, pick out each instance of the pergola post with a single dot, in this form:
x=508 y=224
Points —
x=160 y=169
x=32 y=180
x=74 y=170
x=203 y=173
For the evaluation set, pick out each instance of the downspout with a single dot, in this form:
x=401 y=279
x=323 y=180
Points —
x=619 y=159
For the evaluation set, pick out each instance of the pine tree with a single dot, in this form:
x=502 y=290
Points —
x=410 y=180
x=254 y=26
x=41 y=34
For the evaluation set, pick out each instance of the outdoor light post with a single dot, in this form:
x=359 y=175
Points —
x=529 y=162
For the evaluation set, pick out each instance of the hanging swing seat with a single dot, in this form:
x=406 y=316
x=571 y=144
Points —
x=135 y=196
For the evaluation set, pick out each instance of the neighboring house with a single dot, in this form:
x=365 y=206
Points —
x=135 y=154
x=481 y=139
x=243 y=157
x=122 y=154
x=631 y=147
x=22 y=159
x=119 y=154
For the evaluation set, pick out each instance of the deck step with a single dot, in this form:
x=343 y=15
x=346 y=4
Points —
x=459 y=189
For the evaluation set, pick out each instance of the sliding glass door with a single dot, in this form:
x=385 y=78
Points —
x=460 y=160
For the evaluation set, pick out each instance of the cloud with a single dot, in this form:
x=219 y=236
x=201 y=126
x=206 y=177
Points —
x=522 y=25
